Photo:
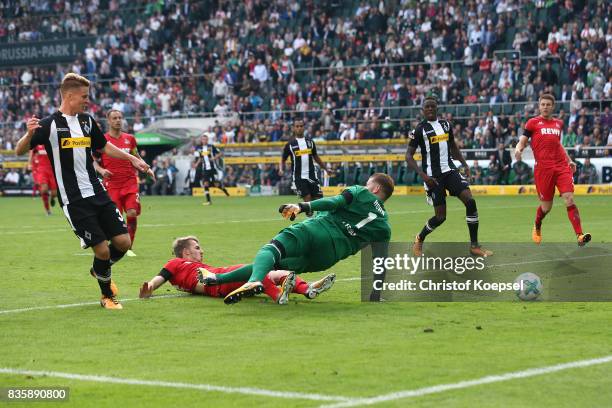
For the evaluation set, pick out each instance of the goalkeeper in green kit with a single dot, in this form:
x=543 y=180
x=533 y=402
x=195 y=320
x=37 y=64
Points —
x=356 y=218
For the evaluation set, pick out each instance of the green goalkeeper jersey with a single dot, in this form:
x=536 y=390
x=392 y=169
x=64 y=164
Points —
x=355 y=218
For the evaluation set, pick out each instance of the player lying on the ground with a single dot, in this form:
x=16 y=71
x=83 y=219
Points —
x=438 y=148
x=183 y=271
x=553 y=167
x=356 y=218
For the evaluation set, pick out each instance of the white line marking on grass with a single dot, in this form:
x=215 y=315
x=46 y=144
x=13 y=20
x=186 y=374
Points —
x=419 y=392
x=181 y=385
x=30 y=309
x=550 y=260
x=349 y=279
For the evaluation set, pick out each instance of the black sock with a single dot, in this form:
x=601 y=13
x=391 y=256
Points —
x=225 y=190
x=471 y=217
x=115 y=254
x=207 y=194
x=102 y=271
x=433 y=223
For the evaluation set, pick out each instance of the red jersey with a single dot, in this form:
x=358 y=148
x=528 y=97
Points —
x=40 y=159
x=545 y=138
x=123 y=172
x=183 y=275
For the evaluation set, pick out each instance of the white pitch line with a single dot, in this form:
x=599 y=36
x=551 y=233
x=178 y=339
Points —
x=30 y=309
x=550 y=260
x=181 y=385
x=419 y=392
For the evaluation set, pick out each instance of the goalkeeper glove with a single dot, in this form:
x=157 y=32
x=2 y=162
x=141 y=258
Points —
x=290 y=211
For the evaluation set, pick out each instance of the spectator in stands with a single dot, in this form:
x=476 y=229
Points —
x=588 y=173
x=522 y=172
x=502 y=155
x=162 y=178
x=192 y=179
x=12 y=178
x=228 y=53
x=493 y=170
x=476 y=172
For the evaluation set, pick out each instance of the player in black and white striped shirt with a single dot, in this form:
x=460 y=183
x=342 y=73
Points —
x=438 y=148
x=303 y=153
x=69 y=137
x=208 y=157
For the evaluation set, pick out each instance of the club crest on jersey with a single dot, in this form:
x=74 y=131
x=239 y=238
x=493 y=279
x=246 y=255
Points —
x=445 y=126
x=76 y=143
x=86 y=127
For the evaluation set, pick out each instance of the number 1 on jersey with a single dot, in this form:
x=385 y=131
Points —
x=371 y=217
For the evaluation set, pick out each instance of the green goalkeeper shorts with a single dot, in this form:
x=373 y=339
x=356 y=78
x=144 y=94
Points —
x=309 y=247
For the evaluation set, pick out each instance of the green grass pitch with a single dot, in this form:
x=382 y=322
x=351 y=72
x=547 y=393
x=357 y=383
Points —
x=332 y=346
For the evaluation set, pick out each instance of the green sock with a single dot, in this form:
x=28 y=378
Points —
x=241 y=274
x=264 y=263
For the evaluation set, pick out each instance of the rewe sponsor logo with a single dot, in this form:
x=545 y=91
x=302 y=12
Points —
x=549 y=131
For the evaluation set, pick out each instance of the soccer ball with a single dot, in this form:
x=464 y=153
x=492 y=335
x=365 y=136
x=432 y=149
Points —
x=531 y=288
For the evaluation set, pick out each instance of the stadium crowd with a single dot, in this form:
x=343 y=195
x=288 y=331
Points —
x=352 y=70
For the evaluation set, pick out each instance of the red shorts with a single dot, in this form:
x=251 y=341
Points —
x=547 y=178
x=45 y=176
x=125 y=196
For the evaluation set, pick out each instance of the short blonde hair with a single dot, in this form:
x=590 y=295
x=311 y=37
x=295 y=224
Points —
x=182 y=243
x=72 y=81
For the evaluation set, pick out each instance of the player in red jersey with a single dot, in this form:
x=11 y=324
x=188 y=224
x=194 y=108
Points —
x=42 y=173
x=183 y=271
x=120 y=177
x=553 y=167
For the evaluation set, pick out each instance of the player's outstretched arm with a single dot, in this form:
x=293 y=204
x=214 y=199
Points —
x=322 y=204
x=117 y=153
x=147 y=288
x=520 y=146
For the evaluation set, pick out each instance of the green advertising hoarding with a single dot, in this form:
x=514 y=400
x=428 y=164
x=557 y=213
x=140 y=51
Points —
x=155 y=139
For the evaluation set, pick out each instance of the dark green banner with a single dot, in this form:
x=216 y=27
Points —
x=43 y=52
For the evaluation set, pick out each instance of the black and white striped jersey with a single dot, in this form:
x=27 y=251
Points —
x=434 y=139
x=207 y=154
x=302 y=151
x=69 y=141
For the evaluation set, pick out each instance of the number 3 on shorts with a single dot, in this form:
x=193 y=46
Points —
x=371 y=217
